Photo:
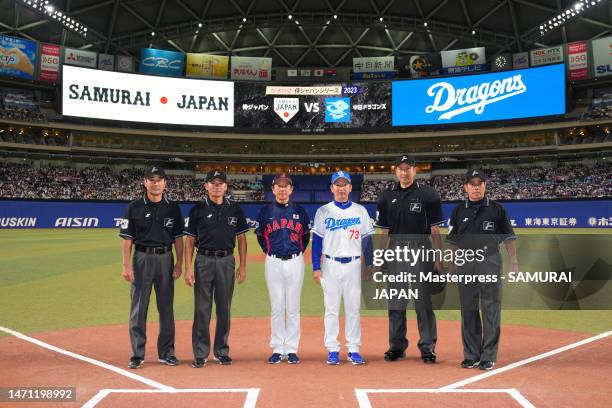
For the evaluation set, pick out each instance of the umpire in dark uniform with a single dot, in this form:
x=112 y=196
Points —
x=151 y=225
x=481 y=224
x=410 y=211
x=212 y=228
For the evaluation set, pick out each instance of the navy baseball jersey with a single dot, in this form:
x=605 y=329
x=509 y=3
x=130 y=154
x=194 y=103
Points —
x=283 y=229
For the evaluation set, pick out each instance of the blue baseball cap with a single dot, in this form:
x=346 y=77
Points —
x=340 y=174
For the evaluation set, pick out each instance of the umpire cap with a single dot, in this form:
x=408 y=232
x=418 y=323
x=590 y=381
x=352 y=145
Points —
x=216 y=174
x=474 y=173
x=155 y=171
x=405 y=158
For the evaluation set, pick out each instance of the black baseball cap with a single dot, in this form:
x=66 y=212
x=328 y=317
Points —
x=211 y=175
x=473 y=173
x=282 y=176
x=405 y=158
x=155 y=171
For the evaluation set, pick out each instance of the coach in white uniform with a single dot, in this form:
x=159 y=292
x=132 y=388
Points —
x=342 y=231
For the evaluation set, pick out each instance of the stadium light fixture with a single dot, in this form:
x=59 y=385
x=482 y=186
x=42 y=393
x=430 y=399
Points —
x=48 y=10
x=289 y=16
x=567 y=15
x=425 y=24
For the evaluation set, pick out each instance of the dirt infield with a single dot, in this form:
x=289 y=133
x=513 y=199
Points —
x=574 y=377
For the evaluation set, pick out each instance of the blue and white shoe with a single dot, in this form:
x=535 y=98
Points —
x=355 y=358
x=333 y=358
x=275 y=358
x=293 y=358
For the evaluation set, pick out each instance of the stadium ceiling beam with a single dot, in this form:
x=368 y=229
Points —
x=149 y=25
x=196 y=37
x=271 y=45
x=111 y=25
x=563 y=30
x=15 y=30
x=517 y=34
x=431 y=39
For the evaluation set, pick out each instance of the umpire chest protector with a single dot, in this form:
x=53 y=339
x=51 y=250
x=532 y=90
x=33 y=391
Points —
x=411 y=210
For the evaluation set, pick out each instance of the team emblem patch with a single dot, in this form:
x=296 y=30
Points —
x=488 y=226
x=415 y=207
x=125 y=223
x=296 y=216
x=232 y=221
x=286 y=108
x=168 y=222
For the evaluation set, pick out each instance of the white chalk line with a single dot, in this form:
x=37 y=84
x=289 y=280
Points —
x=250 y=401
x=89 y=360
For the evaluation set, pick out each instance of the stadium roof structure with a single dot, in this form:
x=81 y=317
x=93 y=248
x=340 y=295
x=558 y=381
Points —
x=305 y=33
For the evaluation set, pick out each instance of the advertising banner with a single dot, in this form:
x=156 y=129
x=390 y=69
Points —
x=251 y=68
x=520 y=60
x=373 y=64
x=462 y=58
x=49 y=62
x=545 y=56
x=475 y=98
x=125 y=63
x=106 y=62
x=207 y=66
x=17 y=57
x=161 y=62
x=578 y=62
x=81 y=58
x=602 y=56
x=502 y=62
x=313 y=108
x=143 y=98
x=73 y=214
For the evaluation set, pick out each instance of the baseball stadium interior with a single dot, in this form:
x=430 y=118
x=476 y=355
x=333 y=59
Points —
x=95 y=93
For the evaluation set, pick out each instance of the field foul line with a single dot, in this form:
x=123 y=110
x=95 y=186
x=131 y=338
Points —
x=89 y=360
x=364 y=401
x=250 y=401
x=520 y=363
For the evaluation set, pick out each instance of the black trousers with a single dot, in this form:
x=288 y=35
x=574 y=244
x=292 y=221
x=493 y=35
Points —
x=426 y=319
x=214 y=279
x=480 y=335
x=152 y=271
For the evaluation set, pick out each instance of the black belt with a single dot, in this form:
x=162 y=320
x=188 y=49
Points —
x=219 y=253
x=344 y=260
x=153 y=250
x=285 y=257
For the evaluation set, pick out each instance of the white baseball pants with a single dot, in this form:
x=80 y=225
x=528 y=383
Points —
x=284 y=280
x=342 y=281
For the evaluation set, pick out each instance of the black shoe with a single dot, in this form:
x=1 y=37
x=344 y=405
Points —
x=394 y=355
x=223 y=360
x=198 y=363
x=135 y=363
x=467 y=363
x=429 y=357
x=486 y=365
x=293 y=358
x=170 y=360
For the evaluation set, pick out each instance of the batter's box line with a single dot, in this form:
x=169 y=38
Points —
x=364 y=401
x=249 y=402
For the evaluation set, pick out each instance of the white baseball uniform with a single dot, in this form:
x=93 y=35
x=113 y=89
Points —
x=342 y=230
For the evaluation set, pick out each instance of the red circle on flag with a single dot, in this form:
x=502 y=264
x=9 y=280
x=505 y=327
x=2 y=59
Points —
x=163 y=100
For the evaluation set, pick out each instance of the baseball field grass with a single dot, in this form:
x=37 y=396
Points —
x=59 y=279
